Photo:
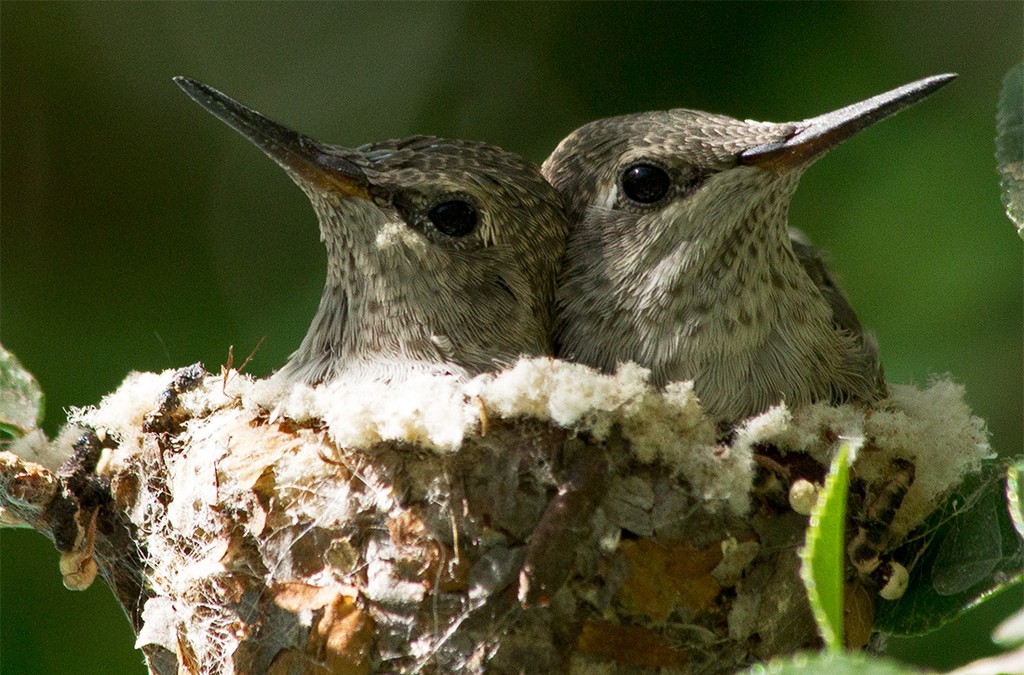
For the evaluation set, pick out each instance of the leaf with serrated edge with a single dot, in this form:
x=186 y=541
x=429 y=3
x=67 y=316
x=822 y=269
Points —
x=1015 y=495
x=21 y=399
x=823 y=555
x=833 y=663
x=947 y=536
x=969 y=552
x=1010 y=144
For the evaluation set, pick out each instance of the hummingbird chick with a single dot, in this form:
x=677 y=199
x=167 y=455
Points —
x=681 y=260
x=441 y=254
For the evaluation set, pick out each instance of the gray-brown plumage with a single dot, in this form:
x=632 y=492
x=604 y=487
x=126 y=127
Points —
x=680 y=258
x=441 y=254
x=844 y=317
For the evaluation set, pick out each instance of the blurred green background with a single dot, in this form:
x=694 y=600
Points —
x=139 y=233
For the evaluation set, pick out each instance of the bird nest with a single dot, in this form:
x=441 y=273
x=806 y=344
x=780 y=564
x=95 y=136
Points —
x=545 y=518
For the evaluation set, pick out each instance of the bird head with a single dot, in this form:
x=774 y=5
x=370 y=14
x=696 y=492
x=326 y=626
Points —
x=693 y=185
x=439 y=251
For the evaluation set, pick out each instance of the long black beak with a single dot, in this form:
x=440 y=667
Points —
x=307 y=161
x=817 y=135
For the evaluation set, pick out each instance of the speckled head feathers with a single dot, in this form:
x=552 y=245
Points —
x=683 y=141
x=442 y=253
x=680 y=257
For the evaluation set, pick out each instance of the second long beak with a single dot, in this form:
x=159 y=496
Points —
x=307 y=161
x=817 y=135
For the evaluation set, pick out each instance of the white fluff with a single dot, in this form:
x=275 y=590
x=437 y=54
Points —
x=932 y=427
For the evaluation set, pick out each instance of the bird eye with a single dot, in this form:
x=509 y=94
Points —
x=456 y=217
x=645 y=183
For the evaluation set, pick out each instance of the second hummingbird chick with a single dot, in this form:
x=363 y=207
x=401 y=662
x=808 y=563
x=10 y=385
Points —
x=441 y=254
x=680 y=257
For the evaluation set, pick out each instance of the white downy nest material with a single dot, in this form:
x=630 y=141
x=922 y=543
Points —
x=932 y=427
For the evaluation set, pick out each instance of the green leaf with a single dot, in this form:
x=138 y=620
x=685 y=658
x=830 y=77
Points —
x=21 y=399
x=968 y=550
x=1010 y=144
x=823 y=556
x=1015 y=495
x=833 y=663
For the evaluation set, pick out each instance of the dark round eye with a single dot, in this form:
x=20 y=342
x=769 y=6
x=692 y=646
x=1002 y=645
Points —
x=645 y=183
x=456 y=218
